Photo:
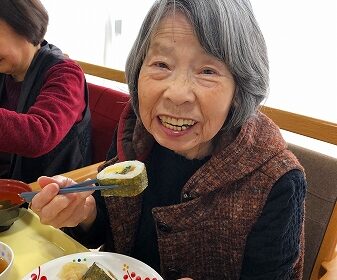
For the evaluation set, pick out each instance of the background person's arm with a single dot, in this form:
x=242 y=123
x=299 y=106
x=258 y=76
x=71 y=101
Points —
x=57 y=108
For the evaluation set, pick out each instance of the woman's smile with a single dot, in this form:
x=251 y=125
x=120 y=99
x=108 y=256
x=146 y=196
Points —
x=176 y=124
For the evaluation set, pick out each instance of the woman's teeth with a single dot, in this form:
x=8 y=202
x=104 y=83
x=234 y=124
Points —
x=176 y=124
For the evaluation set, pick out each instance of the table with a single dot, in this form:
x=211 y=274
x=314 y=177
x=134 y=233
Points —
x=34 y=244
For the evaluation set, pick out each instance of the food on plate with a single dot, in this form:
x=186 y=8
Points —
x=3 y=264
x=97 y=271
x=6 y=203
x=130 y=175
x=72 y=271
x=80 y=271
x=10 y=192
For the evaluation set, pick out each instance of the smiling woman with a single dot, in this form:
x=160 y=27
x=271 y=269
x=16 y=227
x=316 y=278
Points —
x=218 y=169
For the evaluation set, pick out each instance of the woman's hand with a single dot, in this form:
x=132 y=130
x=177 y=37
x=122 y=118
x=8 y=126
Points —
x=65 y=210
x=185 y=279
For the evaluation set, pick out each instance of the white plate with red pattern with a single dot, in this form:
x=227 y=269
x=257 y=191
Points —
x=123 y=267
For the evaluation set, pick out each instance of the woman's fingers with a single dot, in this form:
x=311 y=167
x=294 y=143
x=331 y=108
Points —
x=55 y=208
x=76 y=212
x=44 y=197
x=58 y=179
x=61 y=210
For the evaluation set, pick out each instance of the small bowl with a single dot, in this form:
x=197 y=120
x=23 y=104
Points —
x=10 y=201
x=6 y=261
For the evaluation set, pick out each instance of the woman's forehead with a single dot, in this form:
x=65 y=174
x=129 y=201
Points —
x=170 y=25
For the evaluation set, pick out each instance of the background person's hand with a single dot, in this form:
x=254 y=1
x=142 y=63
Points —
x=66 y=210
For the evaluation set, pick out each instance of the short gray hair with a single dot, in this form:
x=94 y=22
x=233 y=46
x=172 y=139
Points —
x=227 y=30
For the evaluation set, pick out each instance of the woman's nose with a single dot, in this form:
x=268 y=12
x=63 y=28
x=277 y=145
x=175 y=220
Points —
x=180 y=90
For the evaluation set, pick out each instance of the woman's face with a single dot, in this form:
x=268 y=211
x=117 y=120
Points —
x=16 y=53
x=184 y=93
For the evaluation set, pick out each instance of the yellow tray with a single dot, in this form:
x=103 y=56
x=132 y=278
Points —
x=34 y=244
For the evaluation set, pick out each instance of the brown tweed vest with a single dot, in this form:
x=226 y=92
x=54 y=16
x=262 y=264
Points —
x=204 y=236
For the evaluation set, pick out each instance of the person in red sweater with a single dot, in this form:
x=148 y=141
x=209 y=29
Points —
x=44 y=114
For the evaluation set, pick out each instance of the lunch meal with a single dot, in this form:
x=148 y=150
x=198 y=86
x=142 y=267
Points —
x=6 y=261
x=127 y=178
x=3 y=264
x=9 y=193
x=80 y=271
x=72 y=271
x=10 y=201
x=129 y=175
x=97 y=271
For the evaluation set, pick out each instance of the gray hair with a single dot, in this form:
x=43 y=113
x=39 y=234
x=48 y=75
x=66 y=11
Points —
x=227 y=30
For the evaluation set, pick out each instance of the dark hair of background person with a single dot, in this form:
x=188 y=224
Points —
x=28 y=18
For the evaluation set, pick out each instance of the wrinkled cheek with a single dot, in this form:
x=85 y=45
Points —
x=145 y=116
x=211 y=128
x=142 y=104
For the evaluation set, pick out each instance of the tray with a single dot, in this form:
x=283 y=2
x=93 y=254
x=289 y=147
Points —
x=34 y=244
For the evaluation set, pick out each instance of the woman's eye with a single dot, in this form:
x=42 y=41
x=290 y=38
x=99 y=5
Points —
x=208 y=71
x=161 y=65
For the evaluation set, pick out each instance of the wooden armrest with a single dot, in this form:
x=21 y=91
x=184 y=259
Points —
x=77 y=175
x=331 y=269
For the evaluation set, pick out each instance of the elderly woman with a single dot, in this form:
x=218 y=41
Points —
x=44 y=114
x=225 y=196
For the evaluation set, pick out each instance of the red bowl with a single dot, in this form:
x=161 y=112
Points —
x=10 y=201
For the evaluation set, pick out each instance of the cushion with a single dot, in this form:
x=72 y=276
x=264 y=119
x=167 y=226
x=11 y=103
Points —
x=106 y=106
x=320 y=200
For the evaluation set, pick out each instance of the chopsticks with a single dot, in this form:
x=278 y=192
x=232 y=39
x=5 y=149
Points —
x=81 y=187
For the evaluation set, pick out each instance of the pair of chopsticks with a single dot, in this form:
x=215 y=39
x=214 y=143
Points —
x=81 y=187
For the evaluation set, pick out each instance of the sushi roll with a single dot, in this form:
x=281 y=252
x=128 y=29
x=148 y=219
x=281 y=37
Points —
x=129 y=175
x=96 y=271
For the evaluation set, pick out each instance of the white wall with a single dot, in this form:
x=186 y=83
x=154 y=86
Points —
x=301 y=36
x=85 y=29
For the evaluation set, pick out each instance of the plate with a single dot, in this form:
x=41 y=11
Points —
x=123 y=267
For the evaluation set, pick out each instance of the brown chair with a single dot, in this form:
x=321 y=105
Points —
x=321 y=210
